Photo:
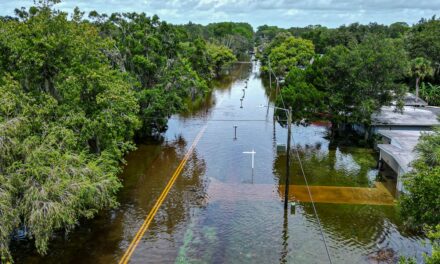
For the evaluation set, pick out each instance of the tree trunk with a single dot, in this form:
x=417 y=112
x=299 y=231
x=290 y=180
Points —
x=94 y=145
x=46 y=85
x=417 y=88
x=193 y=94
x=367 y=132
x=333 y=130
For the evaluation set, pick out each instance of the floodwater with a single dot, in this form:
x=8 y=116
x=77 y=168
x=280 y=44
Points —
x=220 y=210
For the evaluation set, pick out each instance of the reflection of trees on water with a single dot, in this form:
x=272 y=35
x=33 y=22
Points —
x=238 y=72
x=325 y=166
x=147 y=172
x=367 y=227
x=202 y=107
x=189 y=191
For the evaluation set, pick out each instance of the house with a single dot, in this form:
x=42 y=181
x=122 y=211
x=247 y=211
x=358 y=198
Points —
x=400 y=131
x=415 y=115
x=411 y=100
x=397 y=150
x=410 y=118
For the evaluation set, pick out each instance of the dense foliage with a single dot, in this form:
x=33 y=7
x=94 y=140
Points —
x=161 y=57
x=288 y=52
x=239 y=37
x=420 y=42
x=74 y=93
x=422 y=203
x=420 y=206
x=352 y=72
x=358 y=80
x=348 y=84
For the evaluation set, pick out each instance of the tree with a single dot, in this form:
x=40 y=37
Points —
x=421 y=205
x=290 y=53
x=66 y=121
x=358 y=80
x=265 y=33
x=220 y=57
x=430 y=93
x=398 y=29
x=420 y=68
x=303 y=97
x=238 y=37
x=434 y=236
x=423 y=40
x=197 y=52
x=74 y=93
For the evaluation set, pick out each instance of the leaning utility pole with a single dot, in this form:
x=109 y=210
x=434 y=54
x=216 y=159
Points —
x=289 y=131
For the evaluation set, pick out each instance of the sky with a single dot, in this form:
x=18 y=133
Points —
x=282 y=13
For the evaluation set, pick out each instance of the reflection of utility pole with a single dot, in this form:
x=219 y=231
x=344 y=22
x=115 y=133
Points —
x=285 y=236
x=274 y=133
x=289 y=131
x=235 y=132
x=241 y=102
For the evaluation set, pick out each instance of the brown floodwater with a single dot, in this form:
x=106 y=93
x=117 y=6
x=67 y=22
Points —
x=221 y=211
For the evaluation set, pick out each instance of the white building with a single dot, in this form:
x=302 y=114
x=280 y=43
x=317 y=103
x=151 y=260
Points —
x=398 y=151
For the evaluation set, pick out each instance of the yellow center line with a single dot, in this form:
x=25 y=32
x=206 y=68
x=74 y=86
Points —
x=134 y=243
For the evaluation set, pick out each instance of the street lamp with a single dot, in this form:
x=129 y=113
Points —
x=289 y=132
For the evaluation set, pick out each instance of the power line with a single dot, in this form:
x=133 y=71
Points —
x=278 y=85
x=313 y=203
x=305 y=178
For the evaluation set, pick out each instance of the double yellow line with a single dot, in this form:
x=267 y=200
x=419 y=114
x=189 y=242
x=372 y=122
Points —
x=134 y=243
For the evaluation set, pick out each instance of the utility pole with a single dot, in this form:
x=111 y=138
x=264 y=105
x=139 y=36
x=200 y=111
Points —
x=289 y=131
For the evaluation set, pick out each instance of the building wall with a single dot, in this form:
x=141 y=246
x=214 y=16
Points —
x=392 y=163
x=390 y=127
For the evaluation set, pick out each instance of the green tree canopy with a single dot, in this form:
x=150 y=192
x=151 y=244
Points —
x=221 y=57
x=420 y=68
x=75 y=92
x=420 y=205
x=358 y=80
x=289 y=53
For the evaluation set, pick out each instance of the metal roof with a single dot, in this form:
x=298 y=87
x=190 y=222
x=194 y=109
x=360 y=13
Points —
x=410 y=99
x=410 y=116
x=402 y=147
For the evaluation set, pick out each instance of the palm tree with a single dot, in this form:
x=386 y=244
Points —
x=420 y=68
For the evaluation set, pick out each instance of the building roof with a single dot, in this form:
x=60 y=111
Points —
x=411 y=116
x=402 y=147
x=411 y=100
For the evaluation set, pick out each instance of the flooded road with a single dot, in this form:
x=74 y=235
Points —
x=221 y=211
